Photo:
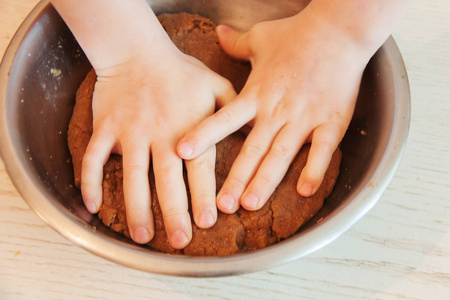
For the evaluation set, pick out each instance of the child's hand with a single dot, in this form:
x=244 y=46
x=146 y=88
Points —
x=147 y=96
x=302 y=88
x=142 y=108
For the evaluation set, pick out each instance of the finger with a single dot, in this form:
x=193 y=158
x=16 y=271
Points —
x=171 y=190
x=244 y=167
x=215 y=128
x=224 y=91
x=325 y=140
x=233 y=42
x=274 y=167
x=95 y=157
x=136 y=187
x=202 y=186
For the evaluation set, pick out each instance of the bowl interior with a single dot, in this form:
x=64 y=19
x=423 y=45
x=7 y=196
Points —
x=49 y=65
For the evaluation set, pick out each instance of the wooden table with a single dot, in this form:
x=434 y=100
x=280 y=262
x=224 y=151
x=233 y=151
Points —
x=399 y=250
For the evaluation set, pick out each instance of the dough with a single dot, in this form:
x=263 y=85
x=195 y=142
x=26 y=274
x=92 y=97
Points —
x=282 y=216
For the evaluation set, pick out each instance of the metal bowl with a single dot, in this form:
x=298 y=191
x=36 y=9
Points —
x=41 y=71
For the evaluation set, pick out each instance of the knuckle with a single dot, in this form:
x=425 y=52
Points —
x=312 y=175
x=88 y=185
x=235 y=182
x=133 y=167
x=174 y=213
x=203 y=196
x=168 y=177
x=322 y=143
x=224 y=116
x=89 y=159
x=136 y=212
x=134 y=170
x=203 y=164
x=281 y=151
x=264 y=180
x=254 y=150
x=90 y=190
x=326 y=140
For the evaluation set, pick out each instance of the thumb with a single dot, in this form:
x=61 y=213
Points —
x=233 y=42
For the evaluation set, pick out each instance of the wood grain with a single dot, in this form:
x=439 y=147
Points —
x=399 y=250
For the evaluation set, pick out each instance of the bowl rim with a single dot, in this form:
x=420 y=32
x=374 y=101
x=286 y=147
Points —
x=161 y=263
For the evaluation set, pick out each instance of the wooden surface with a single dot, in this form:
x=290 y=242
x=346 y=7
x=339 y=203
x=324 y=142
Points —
x=399 y=250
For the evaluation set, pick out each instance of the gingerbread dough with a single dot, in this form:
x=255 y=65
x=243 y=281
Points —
x=282 y=216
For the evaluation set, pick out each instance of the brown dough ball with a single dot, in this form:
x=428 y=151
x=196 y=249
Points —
x=284 y=213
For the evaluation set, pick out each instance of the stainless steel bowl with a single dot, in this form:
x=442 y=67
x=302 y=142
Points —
x=41 y=71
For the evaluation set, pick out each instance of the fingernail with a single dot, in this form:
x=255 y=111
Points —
x=185 y=150
x=227 y=202
x=223 y=29
x=250 y=201
x=91 y=207
x=206 y=218
x=179 y=239
x=141 y=235
x=306 y=190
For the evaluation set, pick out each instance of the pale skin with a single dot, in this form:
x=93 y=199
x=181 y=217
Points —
x=304 y=83
x=147 y=95
x=144 y=109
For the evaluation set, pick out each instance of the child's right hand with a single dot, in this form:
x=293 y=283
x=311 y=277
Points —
x=306 y=71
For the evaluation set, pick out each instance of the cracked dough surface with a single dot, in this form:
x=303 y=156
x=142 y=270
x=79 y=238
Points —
x=282 y=216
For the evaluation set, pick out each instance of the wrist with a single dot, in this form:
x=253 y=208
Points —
x=364 y=24
x=111 y=32
x=322 y=33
